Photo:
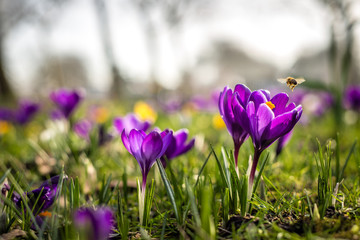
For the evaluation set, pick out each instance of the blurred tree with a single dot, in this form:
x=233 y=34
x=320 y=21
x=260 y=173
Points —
x=172 y=13
x=118 y=84
x=12 y=14
x=56 y=72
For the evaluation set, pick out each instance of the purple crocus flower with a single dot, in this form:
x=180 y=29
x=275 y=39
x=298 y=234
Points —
x=130 y=122
x=83 y=129
x=45 y=194
x=66 y=100
x=146 y=148
x=266 y=120
x=227 y=100
x=25 y=111
x=6 y=114
x=96 y=224
x=352 y=97
x=178 y=145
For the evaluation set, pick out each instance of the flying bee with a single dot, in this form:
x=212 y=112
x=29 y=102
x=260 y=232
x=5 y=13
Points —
x=291 y=82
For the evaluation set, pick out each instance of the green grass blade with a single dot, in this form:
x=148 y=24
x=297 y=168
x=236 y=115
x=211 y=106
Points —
x=203 y=167
x=168 y=188
x=347 y=160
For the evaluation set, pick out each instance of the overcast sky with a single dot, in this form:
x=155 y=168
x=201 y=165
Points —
x=277 y=31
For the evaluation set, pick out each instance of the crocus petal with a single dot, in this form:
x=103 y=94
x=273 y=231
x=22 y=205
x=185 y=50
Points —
x=266 y=94
x=258 y=97
x=119 y=126
x=282 y=124
x=166 y=142
x=241 y=115
x=290 y=107
x=151 y=147
x=243 y=93
x=264 y=117
x=181 y=136
x=279 y=100
x=187 y=147
x=125 y=141
x=135 y=140
x=251 y=114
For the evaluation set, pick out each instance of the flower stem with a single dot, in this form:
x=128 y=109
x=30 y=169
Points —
x=257 y=154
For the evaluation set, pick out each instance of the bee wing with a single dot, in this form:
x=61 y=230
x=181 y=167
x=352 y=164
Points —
x=282 y=80
x=300 y=80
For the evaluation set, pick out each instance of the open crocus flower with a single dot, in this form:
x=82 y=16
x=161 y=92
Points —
x=146 y=148
x=130 y=122
x=266 y=120
x=66 y=100
x=44 y=195
x=178 y=145
x=95 y=224
x=227 y=100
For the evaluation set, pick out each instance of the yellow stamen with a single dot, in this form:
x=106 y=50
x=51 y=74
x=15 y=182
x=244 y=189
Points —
x=218 y=122
x=45 y=214
x=270 y=105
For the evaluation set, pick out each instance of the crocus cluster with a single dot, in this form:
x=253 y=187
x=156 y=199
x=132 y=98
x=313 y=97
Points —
x=256 y=114
x=66 y=102
x=25 y=111
x=95 y=224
